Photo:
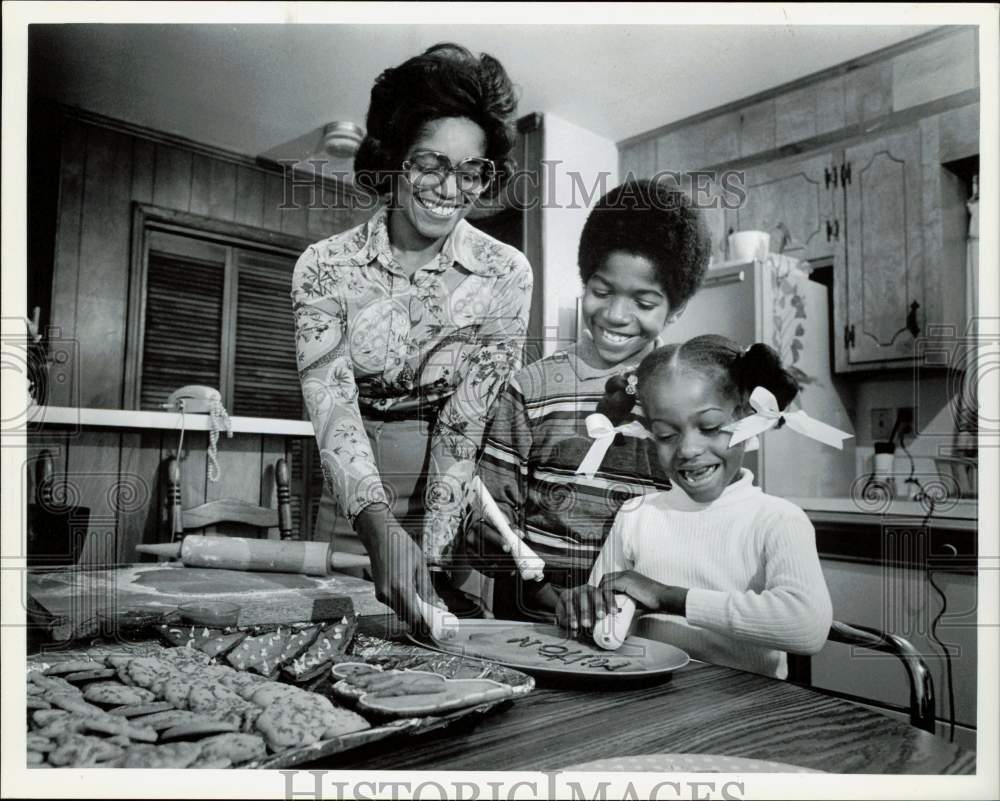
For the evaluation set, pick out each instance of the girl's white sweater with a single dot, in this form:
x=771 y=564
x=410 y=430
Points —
x=756 y=589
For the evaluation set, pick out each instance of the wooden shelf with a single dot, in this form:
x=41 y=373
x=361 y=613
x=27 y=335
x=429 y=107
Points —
x=127 y=418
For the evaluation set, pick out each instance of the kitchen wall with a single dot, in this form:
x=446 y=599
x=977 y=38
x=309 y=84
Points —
x=580 y=167
x=930 y=83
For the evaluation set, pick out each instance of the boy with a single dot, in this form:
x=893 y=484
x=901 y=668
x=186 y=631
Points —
x=643 y=253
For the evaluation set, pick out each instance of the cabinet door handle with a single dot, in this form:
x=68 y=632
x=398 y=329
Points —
x=911 y=319
x=830 y=176
x=845 y=173
x=829 y=231
x=836 y=230
x=848 y=336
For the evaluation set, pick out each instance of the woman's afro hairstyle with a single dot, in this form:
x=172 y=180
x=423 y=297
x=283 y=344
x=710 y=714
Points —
x=656 y=221
x=739 y=373
x=447 y=80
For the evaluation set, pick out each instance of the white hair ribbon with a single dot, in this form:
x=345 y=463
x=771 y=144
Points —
x=603 y=432
x=767 y=415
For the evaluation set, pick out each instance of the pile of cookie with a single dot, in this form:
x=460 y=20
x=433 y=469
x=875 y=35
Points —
x=297 y=652
x=174 y=709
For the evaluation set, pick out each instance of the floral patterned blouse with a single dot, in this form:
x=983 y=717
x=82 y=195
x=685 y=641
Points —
x=370 y=337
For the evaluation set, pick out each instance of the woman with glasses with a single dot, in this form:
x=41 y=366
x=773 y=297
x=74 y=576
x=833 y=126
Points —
x=409 y=326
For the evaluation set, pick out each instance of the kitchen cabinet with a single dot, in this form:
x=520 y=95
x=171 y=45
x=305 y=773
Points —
x=901 y=599
x=880 y=259
x=793 y=200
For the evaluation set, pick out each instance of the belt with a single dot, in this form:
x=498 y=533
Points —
x=426 y=410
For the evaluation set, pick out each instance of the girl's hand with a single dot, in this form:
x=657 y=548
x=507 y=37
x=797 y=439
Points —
x=399 y=569
x=650 y=594
x=580 y=608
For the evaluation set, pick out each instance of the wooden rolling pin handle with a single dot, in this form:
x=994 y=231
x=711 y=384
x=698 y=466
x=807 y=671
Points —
x=611 y=630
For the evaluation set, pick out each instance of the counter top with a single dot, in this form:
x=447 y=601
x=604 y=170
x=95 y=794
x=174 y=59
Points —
x=132 y=418
x=962 y=515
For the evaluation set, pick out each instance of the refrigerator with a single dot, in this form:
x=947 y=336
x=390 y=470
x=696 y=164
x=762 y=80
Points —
x=774 y=302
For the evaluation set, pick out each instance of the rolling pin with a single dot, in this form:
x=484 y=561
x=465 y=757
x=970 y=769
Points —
x=241 y=553
x=530 y=565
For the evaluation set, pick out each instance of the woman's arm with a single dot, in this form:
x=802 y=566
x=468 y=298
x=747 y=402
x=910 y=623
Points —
x=793 y=612
x=462 y=420
x=349 y=469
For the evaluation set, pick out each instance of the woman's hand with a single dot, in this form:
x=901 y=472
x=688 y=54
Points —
x=580 y=608
x=399 y=569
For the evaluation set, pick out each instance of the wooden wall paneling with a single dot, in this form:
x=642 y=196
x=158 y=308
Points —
x=239 y=477
x=757 y=128
x=938 y=69
x=65 y=277
x=213 y=187
x=193 y=464
x=143 y=169
x=274 y=196
x=681 y=150
x=303 y=194
x=722 y=138
x=139 y=501
x=104 y=268
x=868 y=93
x=795 y=115
x=91 y=481
x=830 y=114
x=639 y=160
x=319 y=218
x=272 y=449
x=172 y=185
x=959 y=132
x=249 y=196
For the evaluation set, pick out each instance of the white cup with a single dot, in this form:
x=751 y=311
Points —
x=749 y=245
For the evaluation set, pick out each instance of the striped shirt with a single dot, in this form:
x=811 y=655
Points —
x=537 y=440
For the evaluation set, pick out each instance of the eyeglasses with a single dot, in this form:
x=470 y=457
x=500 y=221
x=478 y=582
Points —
x=428 y=169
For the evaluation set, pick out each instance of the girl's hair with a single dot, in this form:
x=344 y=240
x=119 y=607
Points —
x=738 y=372
x=653 y=220
x=445 y=81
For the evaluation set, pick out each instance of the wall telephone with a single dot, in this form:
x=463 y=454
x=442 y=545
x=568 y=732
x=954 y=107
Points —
x=202 y=400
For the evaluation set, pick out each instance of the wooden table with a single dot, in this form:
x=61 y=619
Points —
x=702 y=709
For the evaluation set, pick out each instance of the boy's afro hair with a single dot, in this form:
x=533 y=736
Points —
x=655 y=221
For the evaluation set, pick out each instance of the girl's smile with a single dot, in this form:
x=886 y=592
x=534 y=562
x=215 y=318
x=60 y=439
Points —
x=686 y=413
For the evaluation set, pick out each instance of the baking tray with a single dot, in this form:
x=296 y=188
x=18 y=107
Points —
x=372 y=650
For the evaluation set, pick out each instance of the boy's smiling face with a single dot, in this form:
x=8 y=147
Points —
x=624 y=307
x=686 y=413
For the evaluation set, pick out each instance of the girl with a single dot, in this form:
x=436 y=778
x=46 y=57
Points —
x=729 y=574
x=408 y=326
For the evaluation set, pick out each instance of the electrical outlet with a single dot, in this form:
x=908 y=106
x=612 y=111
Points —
x=882 y=422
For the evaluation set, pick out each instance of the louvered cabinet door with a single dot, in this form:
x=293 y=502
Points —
x=183 y=316
x=265 y=373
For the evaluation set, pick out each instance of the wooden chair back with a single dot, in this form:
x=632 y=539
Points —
x=229 y=510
